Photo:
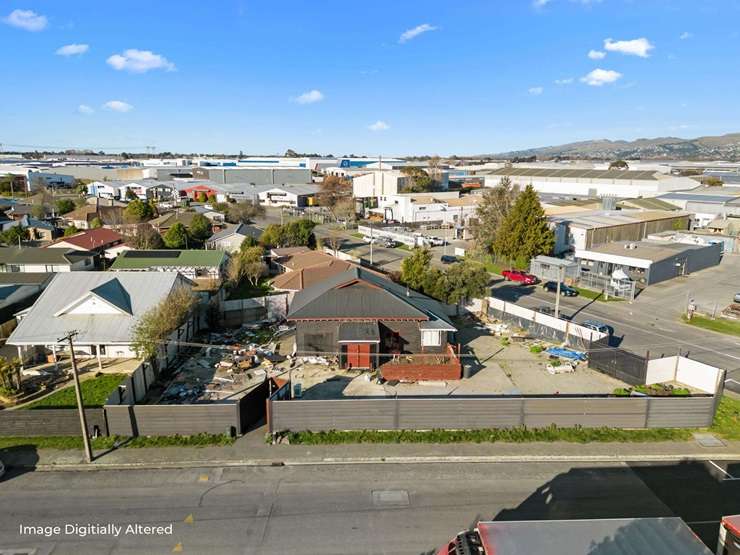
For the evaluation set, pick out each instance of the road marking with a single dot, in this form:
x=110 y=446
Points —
x=729 y=477
x=391 y=498
x=189 y=519
x=177 y=548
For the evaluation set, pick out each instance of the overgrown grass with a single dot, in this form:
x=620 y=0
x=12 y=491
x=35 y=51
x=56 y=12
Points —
x=357 y=235
x=657 y=390
x=95 y=391
x=727 y=420
x=513 y=435
x=596 y=295
x=721 y=325
x=245 y=290
x=404 y=247
x=60 y=442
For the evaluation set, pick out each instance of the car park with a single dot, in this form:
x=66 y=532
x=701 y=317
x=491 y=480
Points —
x=595 y=325
x=565 y=290
x=519 y=276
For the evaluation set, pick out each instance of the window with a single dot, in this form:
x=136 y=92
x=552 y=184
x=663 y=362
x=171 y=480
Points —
x=431 y=338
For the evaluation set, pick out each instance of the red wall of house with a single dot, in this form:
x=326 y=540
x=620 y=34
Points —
x=416 y=372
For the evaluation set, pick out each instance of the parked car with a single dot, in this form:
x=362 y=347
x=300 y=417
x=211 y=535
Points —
x=550 y=311
x=448 y=259
x=565 y=291
x=369 y=239
x=519 y=276
x=598 y=326
x=436 y=241
x=737 y=298
x=387 y=242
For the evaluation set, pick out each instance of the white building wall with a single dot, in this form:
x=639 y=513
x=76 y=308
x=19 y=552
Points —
x=598 y=187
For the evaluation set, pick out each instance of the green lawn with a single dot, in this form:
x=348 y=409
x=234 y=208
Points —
x=488 y=264
x=404 y=247
x=721 y=325
x=59 y=442
x=95 y=391
x=597 y=295
x=246 y=290
x=357 y=235
x=727 y=420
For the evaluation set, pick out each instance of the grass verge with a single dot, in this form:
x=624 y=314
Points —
x=727 y=420
x=59 y=442
x=95 y=391
x=404 y=247
x=729 y=327
x=595 y=295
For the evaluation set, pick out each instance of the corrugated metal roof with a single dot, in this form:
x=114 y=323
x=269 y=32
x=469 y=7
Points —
x=620 y=175
x=143 y=259
x=38 y=255
x=711 y=199
x=619 y=536
x=137 y=291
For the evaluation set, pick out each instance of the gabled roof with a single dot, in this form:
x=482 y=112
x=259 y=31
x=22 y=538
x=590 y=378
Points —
x=144 y=259
x=287 y=251
x=306 y=259
x=91 y=239
x=359 y=294
x=239 y=229
x=305 y=277
x=39 y=255
x=132 y=294
x=171 y=218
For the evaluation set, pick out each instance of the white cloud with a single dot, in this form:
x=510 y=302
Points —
x=540 y=3
x=379 y=126
x=139 y=61
x=565 y=81
x=72 y=49
x=685 y=35
x=118 y=106
x=26 y=19
x=599 y=77
x=535 y=91
x=409 y=34
x=638 y=47
x=85 y=109
x=596 y=54
x=309 y=97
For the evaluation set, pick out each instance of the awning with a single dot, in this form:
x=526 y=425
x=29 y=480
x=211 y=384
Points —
x=359 y=332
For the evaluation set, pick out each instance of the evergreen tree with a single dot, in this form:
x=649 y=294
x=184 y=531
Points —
x=200 y=227
x=524 y=232
x=176 y=237
x=414 y=267
x=491 y=212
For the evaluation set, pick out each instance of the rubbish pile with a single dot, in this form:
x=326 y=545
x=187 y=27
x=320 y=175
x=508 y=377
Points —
x=232 y=363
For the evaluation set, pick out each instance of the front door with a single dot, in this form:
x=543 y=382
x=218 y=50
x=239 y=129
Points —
x=358 y=355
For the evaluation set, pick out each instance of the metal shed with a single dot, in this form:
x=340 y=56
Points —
x=549 y=268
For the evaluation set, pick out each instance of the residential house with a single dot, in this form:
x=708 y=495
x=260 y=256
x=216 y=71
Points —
x=37 y=259
x=368 y=321
x=279 y=255
x=83 y=216
x=303 y=259
x=102 y=241
x=185 y=217
x=38 y=230
x=196 y=265
x=230 y=238
x=17 y=292
x=297 y=280
x=102 y=307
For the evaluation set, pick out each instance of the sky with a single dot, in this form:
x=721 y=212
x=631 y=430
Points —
x=407 y=77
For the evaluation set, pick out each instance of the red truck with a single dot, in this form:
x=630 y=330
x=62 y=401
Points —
x=653 y=536
x=519 y=276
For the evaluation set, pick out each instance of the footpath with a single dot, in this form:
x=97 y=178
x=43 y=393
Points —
x=251 y=450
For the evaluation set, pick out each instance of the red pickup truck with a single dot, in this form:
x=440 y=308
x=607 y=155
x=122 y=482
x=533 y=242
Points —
x=519 y=276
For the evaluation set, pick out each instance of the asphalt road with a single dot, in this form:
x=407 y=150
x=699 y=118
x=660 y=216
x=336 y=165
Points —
x=391 y=509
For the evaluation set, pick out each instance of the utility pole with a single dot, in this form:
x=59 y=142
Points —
x=78 y=393
x=371 y=243
x=557 y=294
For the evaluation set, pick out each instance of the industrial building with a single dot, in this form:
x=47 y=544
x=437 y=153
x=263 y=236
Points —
x=447 y=207
x=592 y=183
x=268 y=175
x=588 y=229
x=706 y=203
x=648 y=262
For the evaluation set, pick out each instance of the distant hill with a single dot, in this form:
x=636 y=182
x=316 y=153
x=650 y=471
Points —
x=723 y=147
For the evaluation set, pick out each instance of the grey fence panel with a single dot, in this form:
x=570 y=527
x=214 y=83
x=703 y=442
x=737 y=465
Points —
x=589 y=413
x=168 y=420
x=617 y=363
x=458 y=414
x=693 y=412
x=50 y=422
x=120 y=420
x=359 y=414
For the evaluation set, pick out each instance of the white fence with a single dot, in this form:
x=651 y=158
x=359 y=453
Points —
x=689 y=372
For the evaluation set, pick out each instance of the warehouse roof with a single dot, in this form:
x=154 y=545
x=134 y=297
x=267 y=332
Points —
x=645 y=250
x=698 y=197
x=592 y=219
x=143 y=259
x=649 y=203
x=620 y=175
x=38 y=255
x=69 y=301
x=297 y=188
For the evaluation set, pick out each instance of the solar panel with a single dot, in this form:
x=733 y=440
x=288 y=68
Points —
x=151 y=254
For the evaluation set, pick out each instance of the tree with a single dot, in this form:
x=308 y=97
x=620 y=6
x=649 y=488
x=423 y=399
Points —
x=414 y=266
x=293 y=234
x=70 y=230
x=138 y=211
x=467 y=280
x=619 y=165
x=332 y=190
x=334 y=242
x=235 y=270
x=524 y=232
x=10 y=375
x=254 y=266
x=244 y=212
x=96 y=223
x=64 y=205
x=153 y=329
x=248 y=241
x=494 y=206
x=201 y=196
x=130 y=195
x=712 y=181
x=345 y=209
x=15 y=234
x=38 y=210
x=212 y=199
x=176 y=237
x=200 y=228
x=417 y=180
x=145 y=238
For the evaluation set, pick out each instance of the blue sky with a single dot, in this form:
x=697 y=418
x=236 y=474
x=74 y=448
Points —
x=403 y=77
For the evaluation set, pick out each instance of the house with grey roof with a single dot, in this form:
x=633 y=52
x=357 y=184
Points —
x=368 y=321
x=232 y=236
x=35 y=259
x=102 y=307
